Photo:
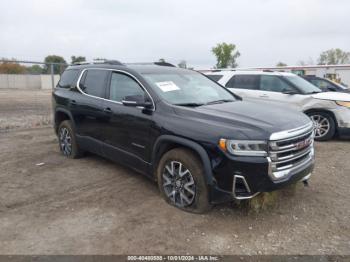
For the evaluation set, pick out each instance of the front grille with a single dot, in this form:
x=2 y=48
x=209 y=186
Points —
x=290 y=150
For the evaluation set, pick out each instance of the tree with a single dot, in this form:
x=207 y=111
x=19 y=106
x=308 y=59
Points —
x=77 y=59
x=58 y=68
x=225 y=55
x=34 y=69
x=334 y=57
x=161 y=60
x=182 y=64
x=280 y=64
x=11 y=67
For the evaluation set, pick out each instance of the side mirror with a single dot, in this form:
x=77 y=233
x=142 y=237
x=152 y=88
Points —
x=333 y=89
x=137 y=101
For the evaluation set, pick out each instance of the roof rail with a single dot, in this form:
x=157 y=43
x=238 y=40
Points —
x=81 y=63
x=112 y=62
x=164 y=64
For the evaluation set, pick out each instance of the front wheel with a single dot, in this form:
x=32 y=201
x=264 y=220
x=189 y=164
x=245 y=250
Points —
x=181 y=181
x=324 y=125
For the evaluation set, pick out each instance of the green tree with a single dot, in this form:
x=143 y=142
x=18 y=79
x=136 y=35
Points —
x=57 y=68
x=226 y=55
x=334 y=57
x=77 y=59
x=182 y=64
x=280 y=64
x=34 y=69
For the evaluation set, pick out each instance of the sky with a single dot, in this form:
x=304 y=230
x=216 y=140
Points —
x=264 y=31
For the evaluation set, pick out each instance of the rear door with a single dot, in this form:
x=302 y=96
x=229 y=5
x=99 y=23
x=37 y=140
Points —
x=87 y=108
x=244 y=85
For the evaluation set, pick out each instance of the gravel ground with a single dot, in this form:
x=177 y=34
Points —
x=93 y=206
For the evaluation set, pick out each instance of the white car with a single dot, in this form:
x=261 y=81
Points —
x=330 y=111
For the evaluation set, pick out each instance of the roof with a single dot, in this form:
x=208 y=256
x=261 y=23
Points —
x=140 y=68
x=247 y=72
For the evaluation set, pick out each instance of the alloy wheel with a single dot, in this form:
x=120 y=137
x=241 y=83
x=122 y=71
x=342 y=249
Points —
x=321 y=124
x=178 y=184
x=65 y=141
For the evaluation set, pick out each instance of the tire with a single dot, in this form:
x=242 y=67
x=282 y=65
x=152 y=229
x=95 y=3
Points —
x=67 y=140
x=187 y=176
x=323 y=121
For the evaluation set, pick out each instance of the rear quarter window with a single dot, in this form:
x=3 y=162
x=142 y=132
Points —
x=68 y=78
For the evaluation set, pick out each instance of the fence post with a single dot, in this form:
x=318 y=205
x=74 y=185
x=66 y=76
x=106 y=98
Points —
x=52 y=76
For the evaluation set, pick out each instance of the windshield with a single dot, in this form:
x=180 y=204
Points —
x=303 y=85
x=187 y=88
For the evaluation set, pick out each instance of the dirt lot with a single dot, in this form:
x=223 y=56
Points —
x=93 y=206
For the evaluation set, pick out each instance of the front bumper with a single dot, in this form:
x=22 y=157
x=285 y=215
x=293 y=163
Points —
x=251 y=177
x=290 y=158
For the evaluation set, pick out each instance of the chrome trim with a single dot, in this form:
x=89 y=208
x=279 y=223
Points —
x=306 y=177
x=293 y=158
x=115 y=70
x=246 y=186
x=290 y=134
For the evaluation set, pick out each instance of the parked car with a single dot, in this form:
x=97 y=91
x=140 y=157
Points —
x=330 y=111
x=326 y=85
x=201 y=143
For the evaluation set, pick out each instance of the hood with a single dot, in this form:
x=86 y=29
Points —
x=333 y=96
x=253 y=120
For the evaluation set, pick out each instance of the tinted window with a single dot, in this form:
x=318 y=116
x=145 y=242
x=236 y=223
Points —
x=93 y=82
x=323 y=84
x=274 y=84
x=68 y=78
x=215 y=77
x=244 y=82
x=122 y=86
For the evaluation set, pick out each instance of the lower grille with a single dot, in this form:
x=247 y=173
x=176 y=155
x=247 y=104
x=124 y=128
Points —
x=290 y=150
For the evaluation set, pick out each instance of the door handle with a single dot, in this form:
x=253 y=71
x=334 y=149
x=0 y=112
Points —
x=73 y=103
x=107 y=110
x=264 y=96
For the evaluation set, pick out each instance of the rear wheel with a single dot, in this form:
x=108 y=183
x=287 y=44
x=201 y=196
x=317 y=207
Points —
x=324 y=125
x=67 y=140
x=181 y=181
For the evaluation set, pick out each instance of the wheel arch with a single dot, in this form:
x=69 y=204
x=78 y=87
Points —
x=167 y=142
x=311 y=110
x=61 y=114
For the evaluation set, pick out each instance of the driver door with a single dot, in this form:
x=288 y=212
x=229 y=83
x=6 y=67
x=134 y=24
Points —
x=126 y=129
x=273 y=88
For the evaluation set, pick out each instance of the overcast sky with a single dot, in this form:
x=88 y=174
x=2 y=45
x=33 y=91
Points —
x=265 y=31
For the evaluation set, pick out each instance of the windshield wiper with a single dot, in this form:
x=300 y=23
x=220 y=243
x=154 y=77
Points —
x=314 y=92
x=219 y=101
x=189 y=104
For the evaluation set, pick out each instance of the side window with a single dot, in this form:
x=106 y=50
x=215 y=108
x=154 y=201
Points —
x=68 y=78
x=274 y=84
x=122 y=86
x=324 y=85
x=244 y=82
x=93 y=82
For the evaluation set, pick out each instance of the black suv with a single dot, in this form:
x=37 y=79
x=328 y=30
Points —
x=325 y=84
x=200 y=142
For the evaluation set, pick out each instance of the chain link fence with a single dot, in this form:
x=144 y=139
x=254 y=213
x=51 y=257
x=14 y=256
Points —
x=25 y=93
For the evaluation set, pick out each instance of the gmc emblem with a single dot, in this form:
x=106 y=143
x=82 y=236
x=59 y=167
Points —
x=303 y=144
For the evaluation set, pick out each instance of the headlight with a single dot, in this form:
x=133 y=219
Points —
x=343 y=103
x=244 y=147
